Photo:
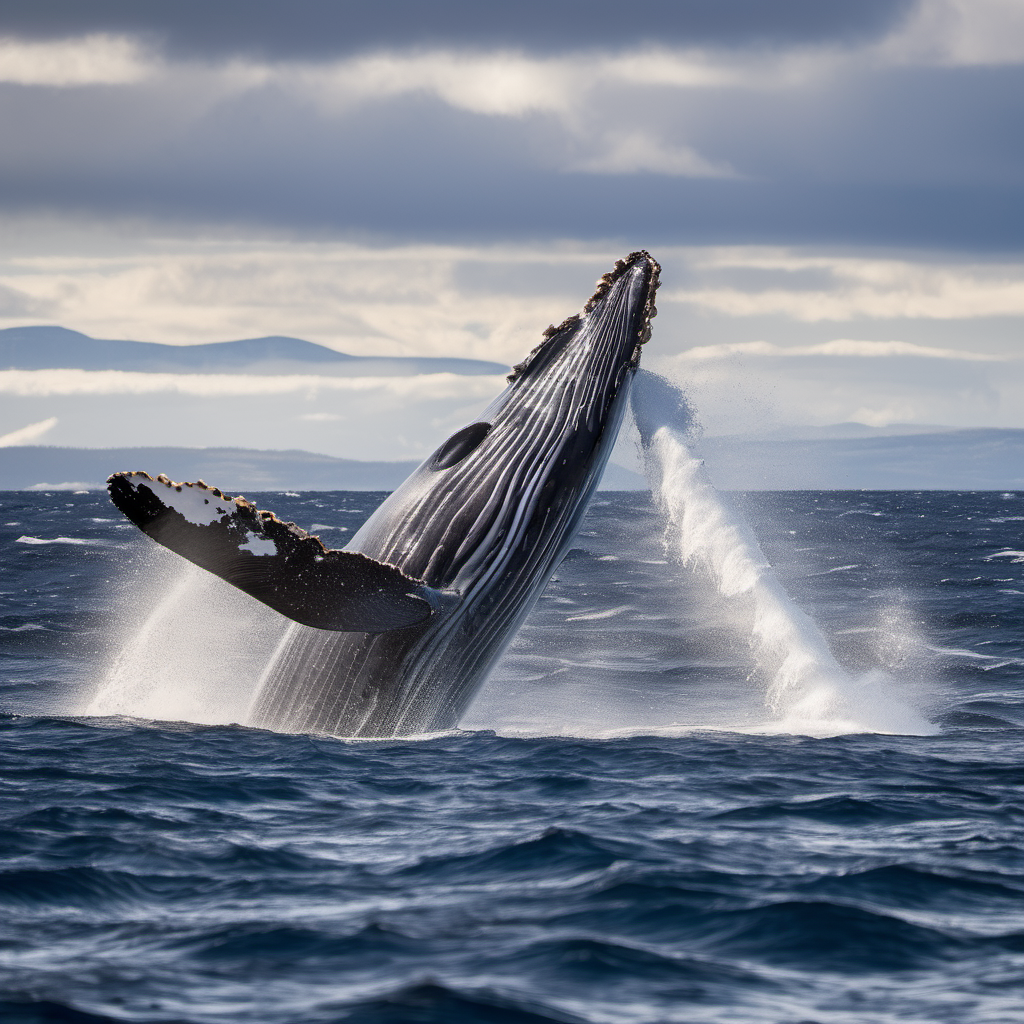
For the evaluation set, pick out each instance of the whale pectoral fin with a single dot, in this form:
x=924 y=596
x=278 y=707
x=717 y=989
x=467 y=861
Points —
x=276 y=562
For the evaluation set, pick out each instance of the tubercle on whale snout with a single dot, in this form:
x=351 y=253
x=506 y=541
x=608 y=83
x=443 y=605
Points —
x=604 y=285
x=606 y=281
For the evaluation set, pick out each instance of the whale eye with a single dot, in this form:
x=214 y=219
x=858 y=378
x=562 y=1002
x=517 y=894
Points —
x=459 y=445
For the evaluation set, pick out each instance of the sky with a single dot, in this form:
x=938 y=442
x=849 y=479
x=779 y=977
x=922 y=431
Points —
x=835 y=192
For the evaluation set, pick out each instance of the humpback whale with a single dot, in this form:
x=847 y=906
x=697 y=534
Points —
x=394 y=634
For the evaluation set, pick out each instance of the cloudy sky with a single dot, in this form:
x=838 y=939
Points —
x=835 y=190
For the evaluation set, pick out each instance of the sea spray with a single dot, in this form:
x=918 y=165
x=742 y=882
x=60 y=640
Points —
x=185 y=647
x=807 y=690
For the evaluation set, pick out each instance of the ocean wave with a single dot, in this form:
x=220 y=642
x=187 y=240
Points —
x=830 y=936
x=553 y=853
x=635 y=868
x=605 y=963
x=81 y=541
x=266 y=942
x=1010 y=553
x=71 y=889
x=840 y=809
x=430 y=1002
x=49 y=1011
x=919 y=888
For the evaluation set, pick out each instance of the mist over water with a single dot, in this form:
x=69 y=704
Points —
x=183 y=646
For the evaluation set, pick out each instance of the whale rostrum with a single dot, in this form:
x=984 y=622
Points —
x=394 y=634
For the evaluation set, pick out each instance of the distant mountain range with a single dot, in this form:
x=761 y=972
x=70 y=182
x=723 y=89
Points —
x=842 y=456
x=234 y=470
x=51 y=348
x=960 y=460
x=949 y=460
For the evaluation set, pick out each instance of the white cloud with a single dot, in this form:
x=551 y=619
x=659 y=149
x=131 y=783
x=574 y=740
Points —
x=52 y=383
x=492 y=302
x=606 y=111
x=501 y=83
x=760 y=386
x=637 y=151
x=886 y=413
x=857 y=287
x=580 y=92
x=68 y=485
x=365 y=300
x=97 y=59
x=28 y=435
x=679 y=112
x=959 y=33
x=842 y=347
x=568 y=88
x=487 y=302
x=513 y=83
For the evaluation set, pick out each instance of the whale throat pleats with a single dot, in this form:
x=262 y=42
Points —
x=273 y=561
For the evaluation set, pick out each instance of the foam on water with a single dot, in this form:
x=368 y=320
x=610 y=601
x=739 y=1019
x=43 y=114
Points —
x=39 y=541
x=807 y=690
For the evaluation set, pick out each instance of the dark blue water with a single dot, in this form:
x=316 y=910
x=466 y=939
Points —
x=623 y=833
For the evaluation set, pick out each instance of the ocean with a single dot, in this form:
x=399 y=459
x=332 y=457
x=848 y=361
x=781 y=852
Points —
x=753 y=758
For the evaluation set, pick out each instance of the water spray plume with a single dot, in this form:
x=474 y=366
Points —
x=187 y=647
x=807 y=691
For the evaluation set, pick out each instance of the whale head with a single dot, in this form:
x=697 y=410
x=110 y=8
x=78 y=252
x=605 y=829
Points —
x=509 y=488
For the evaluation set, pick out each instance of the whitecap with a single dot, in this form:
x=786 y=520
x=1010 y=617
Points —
x=24 y=539
x=1010 y=553
x=607 y=613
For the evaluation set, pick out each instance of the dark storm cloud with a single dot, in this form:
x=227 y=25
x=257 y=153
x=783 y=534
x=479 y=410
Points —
x=317 y=28
x=892 y=135
x=905 y=159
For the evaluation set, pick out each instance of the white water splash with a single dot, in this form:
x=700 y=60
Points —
x=808 y=691
x=189 y=648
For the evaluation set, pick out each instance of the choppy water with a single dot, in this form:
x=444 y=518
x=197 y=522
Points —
x=639 y=822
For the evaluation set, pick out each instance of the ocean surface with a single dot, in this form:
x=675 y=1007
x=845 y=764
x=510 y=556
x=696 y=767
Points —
x=752 y=759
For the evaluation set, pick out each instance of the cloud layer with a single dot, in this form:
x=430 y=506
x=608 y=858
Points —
x=490 y=301
x=880 y=122
x=836 y=193
x=758 y=388
x=65 y=383
x=30 y=434
x=192 y=27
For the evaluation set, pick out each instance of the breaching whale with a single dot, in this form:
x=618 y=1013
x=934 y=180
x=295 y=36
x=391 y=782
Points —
x=393 y=635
